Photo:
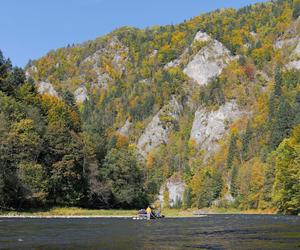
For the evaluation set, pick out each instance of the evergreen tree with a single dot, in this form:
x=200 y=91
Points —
x=232 y=151
x=283 y=123
x=5 y=69
x=296 y=8
x=211 y=187
x=122 y=172
x=278 y=82
x=272 y=108
x=269 y=177
x=246 y=138
x=217 y=184
x=286 y=190
x=187 y=198
x=297 y=109
x=233 y=183
x=68 y=98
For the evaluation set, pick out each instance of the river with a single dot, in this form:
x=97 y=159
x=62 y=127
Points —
x=210 y=232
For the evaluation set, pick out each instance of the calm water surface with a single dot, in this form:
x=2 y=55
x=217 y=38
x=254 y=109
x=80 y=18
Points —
x=211 y=232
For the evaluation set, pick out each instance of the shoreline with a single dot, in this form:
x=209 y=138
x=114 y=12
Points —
x=75 y=212
x=86 y=217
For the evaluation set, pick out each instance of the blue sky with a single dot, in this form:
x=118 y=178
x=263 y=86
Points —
x=30 y=28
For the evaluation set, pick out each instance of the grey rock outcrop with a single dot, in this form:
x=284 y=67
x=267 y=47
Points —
x=30 y=70
x=293 y=65
x=46 y=88
x=125 y=129
x=210 y=126
x=115 y=52
x=209 y=62
x=281 y=43
x=177 y=62
x=294 y=57
x=81 y=94
x=202 y=37
x=158 y=130
x=175 y=187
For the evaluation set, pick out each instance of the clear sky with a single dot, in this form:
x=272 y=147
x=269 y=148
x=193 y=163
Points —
x=30 y=28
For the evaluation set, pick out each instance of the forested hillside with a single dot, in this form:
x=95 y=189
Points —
x=204 y=113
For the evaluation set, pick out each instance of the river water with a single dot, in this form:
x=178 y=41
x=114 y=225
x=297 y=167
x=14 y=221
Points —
x=210 y=232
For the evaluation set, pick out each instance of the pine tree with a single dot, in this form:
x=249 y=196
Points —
x=233 y=183
x=246 y=138
x=187 y=198
x=283 y=123
x=278 y=82
x=296 y=8
x=231 y=151
x=272 y=107
x=69 y=98
x=297 y=109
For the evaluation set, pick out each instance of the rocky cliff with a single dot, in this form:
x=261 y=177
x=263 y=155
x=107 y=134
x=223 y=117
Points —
x=157 y=131
x=210 y=126
x=209 y=61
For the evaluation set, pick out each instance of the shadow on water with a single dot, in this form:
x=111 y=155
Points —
x=211 y=232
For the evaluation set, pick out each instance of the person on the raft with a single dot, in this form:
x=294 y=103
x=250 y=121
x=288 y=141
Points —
x=158 y=215
x=149 y=212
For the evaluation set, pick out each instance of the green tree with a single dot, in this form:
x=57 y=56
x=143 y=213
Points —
x=297 y=108
x=69 y=98
x=123 y=173
x=5 y=69
x=233 y=182
x=296 y=8
x=210 y=187
x=286 y=190
x=187 y=198
x=34 y=184
x=66 y=182
x=283 y=123
x=272 y=108
x=232 y=151
x=278 y=82
x=246 y=139
x=166 y=198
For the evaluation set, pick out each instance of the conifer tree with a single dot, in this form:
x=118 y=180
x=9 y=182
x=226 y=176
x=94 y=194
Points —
x=233 y=183
x=296 y=8
x=231 y=151
x=283 y=123
x=187 y=198
x=271 y=107
x=246 y=138
x=278 y=82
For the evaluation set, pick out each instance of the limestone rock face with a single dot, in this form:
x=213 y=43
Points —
x=158 y=130
x=125 y=129
x=115 y=52
x=293 y=65
x=32 y=69
x=281 y=43
x=178 y=61
x=294 y=57
x=175 y=187
x=202 y=37
x=210 y=126
x=209 y=61
x=46 y=88
x=81 y=94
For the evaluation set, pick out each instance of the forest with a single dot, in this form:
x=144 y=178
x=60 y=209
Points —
x=55 y=151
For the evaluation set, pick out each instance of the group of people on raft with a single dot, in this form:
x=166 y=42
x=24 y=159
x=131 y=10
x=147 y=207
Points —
x=150 y=213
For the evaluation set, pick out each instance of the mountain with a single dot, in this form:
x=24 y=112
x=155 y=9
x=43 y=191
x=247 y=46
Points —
x=204 y=113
